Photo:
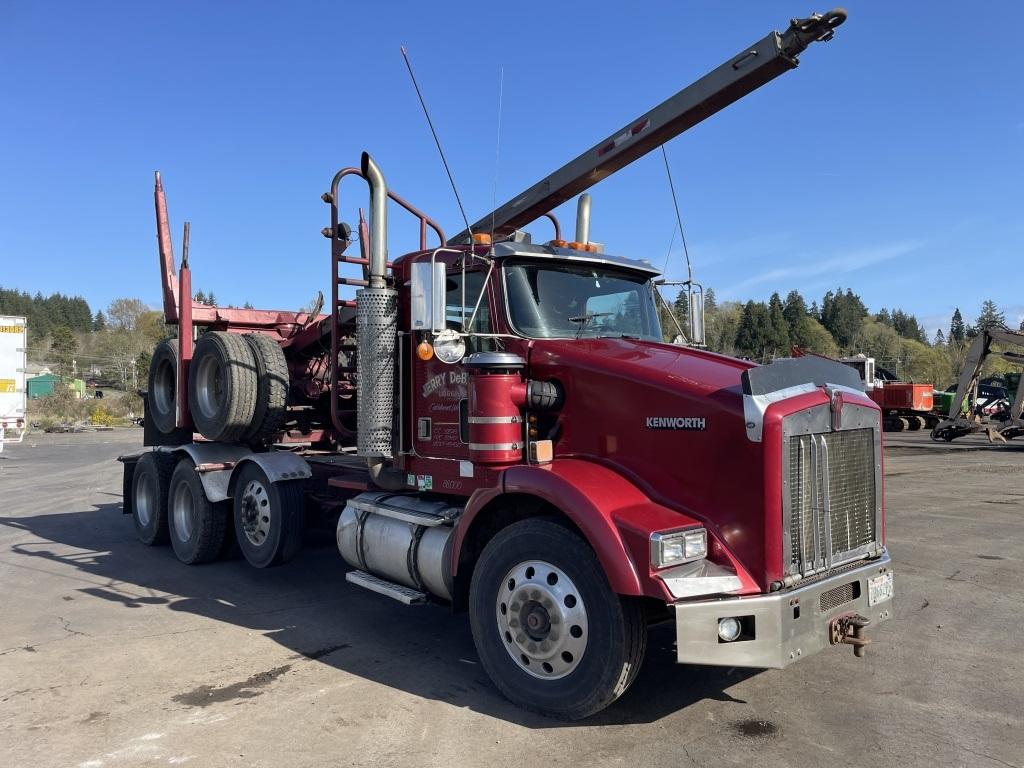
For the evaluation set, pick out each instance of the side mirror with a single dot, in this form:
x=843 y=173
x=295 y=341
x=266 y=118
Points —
x=696 y=297
x=427 y=296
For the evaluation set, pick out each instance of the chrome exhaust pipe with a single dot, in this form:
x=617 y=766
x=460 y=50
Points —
x=583 y=219
x=377 y=345
x=378 y=221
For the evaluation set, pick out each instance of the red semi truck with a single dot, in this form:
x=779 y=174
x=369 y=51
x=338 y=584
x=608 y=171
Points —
x=498 y=426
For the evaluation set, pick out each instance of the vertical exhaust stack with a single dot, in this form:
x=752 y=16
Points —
x=583 y=219
x=377 y=344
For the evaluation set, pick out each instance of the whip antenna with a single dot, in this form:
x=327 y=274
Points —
x=437 y=141
x=497 y=150
x=679 y=219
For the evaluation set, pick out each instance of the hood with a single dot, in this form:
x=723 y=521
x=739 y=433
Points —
x=668 y=418
x=666 y=367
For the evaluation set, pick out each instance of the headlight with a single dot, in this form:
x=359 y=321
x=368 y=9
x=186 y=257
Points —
x=448 y=346
x=679 y=547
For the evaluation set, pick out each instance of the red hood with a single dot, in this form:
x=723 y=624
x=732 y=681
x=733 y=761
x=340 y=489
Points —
x=667 y=367
x=670 y=419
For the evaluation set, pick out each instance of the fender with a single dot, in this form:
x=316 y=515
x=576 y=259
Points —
x=217 y=483
x=616 y=518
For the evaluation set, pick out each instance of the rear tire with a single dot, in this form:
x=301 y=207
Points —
x=149 y=488
x=197 y=526
x=222 y=386
x=271 y=386
x=269 y=518
x=550 y=632
x=163 y=386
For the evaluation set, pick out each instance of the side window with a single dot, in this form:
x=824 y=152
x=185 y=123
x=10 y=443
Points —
x=453 y=312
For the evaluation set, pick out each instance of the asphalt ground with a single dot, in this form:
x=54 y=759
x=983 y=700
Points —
x=115 y=654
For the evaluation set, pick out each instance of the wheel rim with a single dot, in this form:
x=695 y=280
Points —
x=184 y=511
x=256 y=513
x=145 y=499
x=164 y=386
x=542 y=619
x=209 y=387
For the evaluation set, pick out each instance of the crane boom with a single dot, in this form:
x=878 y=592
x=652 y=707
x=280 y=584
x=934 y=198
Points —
x=746 y=72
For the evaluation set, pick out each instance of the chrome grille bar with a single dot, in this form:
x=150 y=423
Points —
x=831 y=505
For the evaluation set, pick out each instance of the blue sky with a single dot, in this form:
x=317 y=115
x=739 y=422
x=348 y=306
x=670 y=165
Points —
x=890 y=161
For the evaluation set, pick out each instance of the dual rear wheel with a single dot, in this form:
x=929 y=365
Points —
x=169 y=503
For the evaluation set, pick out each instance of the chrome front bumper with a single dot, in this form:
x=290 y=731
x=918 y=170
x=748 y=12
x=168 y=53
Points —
x=781 y=627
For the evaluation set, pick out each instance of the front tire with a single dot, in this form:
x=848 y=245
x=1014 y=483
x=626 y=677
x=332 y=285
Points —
x=268 y=517
x=197 y=526
x=550 y=632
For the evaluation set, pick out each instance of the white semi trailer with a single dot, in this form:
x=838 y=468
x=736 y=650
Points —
x=13 y=346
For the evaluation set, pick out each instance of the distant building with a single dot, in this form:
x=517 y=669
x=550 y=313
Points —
x=44 y=384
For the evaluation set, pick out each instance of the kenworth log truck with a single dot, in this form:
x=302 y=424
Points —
x=499 y=427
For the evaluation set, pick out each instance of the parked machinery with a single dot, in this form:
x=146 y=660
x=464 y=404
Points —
x=498 y=426
x=963 y=417
x=905 y=404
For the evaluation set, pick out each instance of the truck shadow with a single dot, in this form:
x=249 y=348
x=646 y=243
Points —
x=309 y=608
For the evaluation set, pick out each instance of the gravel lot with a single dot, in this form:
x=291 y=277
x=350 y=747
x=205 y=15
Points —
x=114 y=654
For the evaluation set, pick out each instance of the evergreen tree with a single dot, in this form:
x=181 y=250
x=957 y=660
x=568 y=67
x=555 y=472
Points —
x=883 y=317
x=957 y=332
x=814 y=311
x=794 y=310
x=778 y=333
x=99 y=323
x=990 y=316
x=907 y=326
x=709 y=300
x=247 y=305
x=842 y=314
x=752 y=336
x=64 y=345
x=681 y=309
x=211 y=299
x=940 y=339
x=200 y=297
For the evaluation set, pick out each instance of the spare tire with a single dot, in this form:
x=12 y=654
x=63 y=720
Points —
x=271 y=386
x=222 y=386
x=163 y=386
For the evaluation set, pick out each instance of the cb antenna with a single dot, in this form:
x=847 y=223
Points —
x=679 y=219
x=437 y=141
x=497 y=152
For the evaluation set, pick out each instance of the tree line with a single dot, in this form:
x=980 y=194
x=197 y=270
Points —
x=839 y=325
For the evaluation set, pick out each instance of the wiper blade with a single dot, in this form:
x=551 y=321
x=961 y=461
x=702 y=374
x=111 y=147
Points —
x=588 y=317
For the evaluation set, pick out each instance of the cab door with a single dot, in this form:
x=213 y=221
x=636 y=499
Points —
x=439 y=427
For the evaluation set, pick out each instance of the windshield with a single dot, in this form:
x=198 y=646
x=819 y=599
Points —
x=558 y=301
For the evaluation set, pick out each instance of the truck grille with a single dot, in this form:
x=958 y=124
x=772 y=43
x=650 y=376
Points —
x=832 y=498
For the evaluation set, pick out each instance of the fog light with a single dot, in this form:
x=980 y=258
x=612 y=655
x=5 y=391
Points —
x=729 y=629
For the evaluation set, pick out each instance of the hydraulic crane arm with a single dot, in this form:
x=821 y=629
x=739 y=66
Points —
x=740 y=75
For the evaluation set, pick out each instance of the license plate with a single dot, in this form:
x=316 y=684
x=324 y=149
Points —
x=880 y=588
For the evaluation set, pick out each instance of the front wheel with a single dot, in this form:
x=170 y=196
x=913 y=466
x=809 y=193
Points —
x=550 y=632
